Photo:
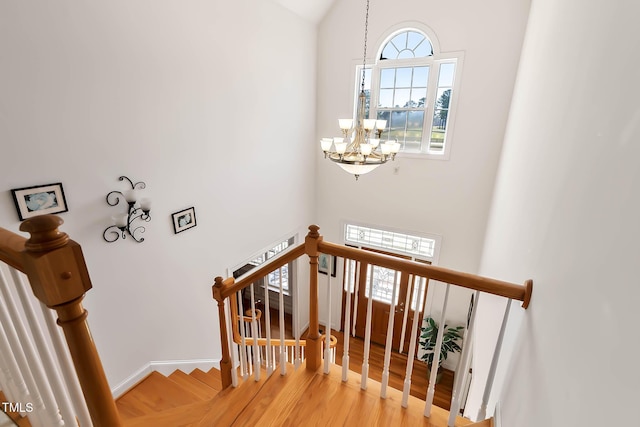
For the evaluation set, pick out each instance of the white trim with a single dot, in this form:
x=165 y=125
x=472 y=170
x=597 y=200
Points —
x=296 y=239
x=436 y=237
x=497 y=415
x=392 y=31
x=165 y=367
x=433 y=62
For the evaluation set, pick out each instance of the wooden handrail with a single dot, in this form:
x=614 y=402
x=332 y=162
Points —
x=11 y=247
x=232 y=286
x=237 y=338
x=465 y=280
x=314 y=245
x=59 y=278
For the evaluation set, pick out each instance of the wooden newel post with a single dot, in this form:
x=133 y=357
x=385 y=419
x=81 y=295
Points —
x=59 y=279
x=313 y=352
x=225 y=363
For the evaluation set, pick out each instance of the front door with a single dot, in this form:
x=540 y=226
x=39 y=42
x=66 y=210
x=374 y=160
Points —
x=382 y=286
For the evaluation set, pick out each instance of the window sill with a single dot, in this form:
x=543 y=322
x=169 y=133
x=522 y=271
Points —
x=425 y=156
x=276 y=290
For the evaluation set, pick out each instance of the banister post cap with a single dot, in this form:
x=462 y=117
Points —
x=218 y=287
x=313 y=231
x=44 y=233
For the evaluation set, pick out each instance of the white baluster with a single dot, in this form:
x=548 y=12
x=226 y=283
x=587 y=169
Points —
x=66 y=367
x=254 y=334
x=50 y=369
x=482 y=412
x=367 y=335
x=412 y=351
x=233 y=348
x=405 y=319
x=298 y=356
x=462 y=372
x=349 y=271
x=436 y=356
x=267 y=323
x=355 y=292
x=389 y=343
x=283 y=367
x=245 y=363
x=327 y=327
x=16 y=389
x=24 y=352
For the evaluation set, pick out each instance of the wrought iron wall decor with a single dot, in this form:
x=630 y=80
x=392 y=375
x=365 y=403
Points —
x=137 y=210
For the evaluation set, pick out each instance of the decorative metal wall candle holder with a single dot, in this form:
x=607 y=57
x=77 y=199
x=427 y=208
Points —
x=124 y=223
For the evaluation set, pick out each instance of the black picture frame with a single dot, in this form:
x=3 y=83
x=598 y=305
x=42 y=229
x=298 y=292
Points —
x=184 y=220
x=39 y=200
x=323 y=264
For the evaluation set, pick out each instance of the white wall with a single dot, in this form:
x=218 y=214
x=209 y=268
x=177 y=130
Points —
x=450 y=198
x=189 y=97
x=566 y=214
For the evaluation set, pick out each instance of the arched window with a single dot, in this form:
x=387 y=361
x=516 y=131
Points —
x=407 y=44
x=413 y=87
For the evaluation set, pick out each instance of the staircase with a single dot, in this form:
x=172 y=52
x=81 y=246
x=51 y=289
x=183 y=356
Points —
x=302 y=397
x=57 y=273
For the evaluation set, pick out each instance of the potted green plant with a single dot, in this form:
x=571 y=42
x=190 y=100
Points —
x=428 y=337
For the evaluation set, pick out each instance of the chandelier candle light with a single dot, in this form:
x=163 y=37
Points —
x=356 y=151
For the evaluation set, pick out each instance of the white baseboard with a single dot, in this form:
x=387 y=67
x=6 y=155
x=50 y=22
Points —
x=497 y=416
x=165 y=367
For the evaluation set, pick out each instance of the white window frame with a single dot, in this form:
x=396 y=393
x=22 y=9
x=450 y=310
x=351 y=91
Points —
x=437 y=239
x=434 y=63
x=433 y=259
x=291 y=266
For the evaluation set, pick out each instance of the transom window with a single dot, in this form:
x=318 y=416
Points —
x=392 y=241
x=407 y=245
x=411 y=86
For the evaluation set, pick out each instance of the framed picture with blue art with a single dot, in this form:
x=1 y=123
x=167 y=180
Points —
x=39 y=200
x=323 y=264
x=184 y=220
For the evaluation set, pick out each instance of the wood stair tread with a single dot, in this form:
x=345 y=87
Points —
x=327 y=400
x=185 y=415
x=211 y=378
x=17 y=419
x=279 y=390
x=155 y=393
x=199 y=388
x=300 y=396
x=234 y=401
x=485 y=423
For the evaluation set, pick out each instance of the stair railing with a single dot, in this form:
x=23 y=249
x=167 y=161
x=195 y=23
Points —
x=419 y=273
x=422 y=275
x=245 y=341
x=68 y=387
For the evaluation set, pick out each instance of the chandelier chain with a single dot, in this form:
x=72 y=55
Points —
x=364 y=55
x=359 y=150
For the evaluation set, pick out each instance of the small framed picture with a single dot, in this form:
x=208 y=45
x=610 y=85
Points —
x=39 y=200
x=184 y=220
x=323 y=264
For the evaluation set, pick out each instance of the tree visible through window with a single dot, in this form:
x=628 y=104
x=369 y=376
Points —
x=412 y=87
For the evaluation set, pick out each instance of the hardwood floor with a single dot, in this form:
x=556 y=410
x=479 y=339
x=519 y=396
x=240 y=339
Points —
x=397 y=368
x=312 y=398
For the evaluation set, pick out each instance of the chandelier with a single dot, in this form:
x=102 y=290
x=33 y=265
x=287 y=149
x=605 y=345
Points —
x=359 y=149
